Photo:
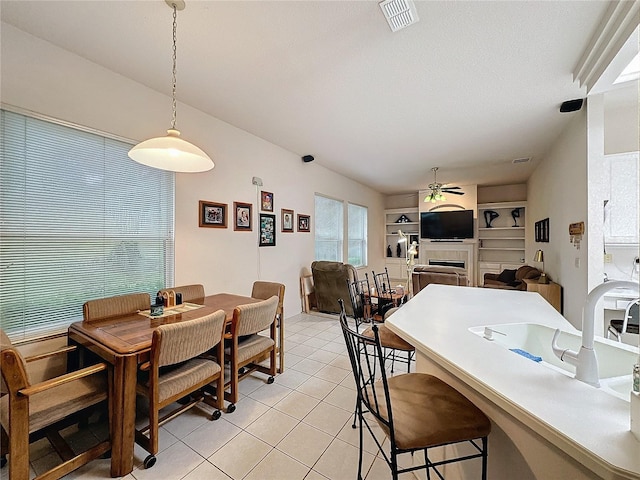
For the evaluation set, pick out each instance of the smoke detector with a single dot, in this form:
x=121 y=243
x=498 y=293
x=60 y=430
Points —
x=399 y=13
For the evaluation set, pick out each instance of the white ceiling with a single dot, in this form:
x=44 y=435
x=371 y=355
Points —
x=470 y=87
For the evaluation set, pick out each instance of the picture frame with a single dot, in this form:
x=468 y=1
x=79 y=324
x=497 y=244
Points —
x=212 y=214
x=304 y=223
x=242 y=216
x=286 y=220
x=267 y=230
x=266 y=201
x=542 y=231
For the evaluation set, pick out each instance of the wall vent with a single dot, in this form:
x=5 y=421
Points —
x=399 y=13
x=521 y=160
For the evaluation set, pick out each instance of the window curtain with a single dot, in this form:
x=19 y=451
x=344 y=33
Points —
x=78 y=220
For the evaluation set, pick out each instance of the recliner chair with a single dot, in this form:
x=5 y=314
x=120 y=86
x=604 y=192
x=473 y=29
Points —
x=330 y=282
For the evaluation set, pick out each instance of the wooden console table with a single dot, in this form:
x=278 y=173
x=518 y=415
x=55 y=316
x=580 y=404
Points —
x=551 y=292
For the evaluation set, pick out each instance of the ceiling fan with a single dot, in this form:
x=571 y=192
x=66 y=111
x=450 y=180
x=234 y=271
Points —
x=439 y=189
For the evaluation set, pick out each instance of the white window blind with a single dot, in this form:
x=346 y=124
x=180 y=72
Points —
x=329 y=226
x=357 y=248
x=78 y=220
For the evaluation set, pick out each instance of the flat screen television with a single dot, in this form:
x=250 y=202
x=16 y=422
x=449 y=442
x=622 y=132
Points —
x=453 y=225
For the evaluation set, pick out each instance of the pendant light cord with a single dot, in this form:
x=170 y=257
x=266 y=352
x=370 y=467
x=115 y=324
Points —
x=173 y=90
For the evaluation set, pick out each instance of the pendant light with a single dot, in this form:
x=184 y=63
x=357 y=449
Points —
x=171 y=152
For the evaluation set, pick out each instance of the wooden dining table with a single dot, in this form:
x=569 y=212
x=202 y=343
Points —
x=125 y=342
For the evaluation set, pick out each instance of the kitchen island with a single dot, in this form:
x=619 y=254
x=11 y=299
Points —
x=546 y=424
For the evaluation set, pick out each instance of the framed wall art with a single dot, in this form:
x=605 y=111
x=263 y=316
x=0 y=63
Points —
x=542 y=230
x=287 y=220
x=266 y=201
x=267 y=230
x=212 y=214
x=242 y=216
x=304 y=223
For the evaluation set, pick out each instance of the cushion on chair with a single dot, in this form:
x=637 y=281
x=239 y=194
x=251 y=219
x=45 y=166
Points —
x=257 y=316
x=445 y=414
x=251 y=346
x=388 y=339
x=182 y=377
x=115 y=306
x=189 y=293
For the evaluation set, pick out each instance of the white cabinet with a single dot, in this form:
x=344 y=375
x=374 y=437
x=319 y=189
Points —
x=407 y=220
x=501 y=238
x=621 y=211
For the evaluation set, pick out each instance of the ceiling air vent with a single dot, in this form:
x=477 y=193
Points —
x=399 y=13
x=521 y=160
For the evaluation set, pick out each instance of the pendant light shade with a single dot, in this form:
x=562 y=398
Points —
x=171 y=152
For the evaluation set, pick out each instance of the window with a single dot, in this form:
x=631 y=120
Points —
x=329 y=226
x=357 y=219
x=78 y=220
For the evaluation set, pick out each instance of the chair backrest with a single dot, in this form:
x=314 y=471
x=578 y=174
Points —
x=631 y=315
x=189 y=292
x=177 y=342
x=116 y=306
x=329 y=284
x=13 y=366
x=266 y=290
x=360 y=303
x=255 y=317
x=367 y=364
x=383 y=284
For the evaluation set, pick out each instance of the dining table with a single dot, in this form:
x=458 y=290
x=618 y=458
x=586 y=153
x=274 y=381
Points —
x=125 y=342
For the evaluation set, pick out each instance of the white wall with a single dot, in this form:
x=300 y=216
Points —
x=557 y=190
x=42 y=78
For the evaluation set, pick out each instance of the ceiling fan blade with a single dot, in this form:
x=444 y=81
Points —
x=451 y=188
x=454 y=193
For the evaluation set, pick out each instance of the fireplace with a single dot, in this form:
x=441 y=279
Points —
x=447 y=263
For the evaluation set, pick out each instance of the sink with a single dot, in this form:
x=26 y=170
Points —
x=615 y=360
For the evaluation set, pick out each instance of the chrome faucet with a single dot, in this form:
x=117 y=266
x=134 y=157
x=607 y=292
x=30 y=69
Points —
x=586 y=361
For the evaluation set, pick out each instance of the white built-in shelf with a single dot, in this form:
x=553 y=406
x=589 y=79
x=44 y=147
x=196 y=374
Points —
x=503 y=249
x=500 y=228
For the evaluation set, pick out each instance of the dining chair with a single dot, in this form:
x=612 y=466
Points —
x=415 y=411
x=629 y=324
x=264 y=291
x=384 y=292
x=116 y=306
x=190 y=293
x=175 y=370
x=30 y=411
x=249 y=321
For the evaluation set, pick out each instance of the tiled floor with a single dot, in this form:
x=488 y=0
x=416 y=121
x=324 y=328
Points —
x=297 y=428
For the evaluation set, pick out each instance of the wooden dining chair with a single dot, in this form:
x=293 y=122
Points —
x=116 y=306
x=264 y=291
x=415 y=411
x=175 y=370
x=248 y=321
x=190 y=293
x=30 y=411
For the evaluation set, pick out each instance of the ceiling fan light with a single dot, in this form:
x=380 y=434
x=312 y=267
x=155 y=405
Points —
x=171 y=153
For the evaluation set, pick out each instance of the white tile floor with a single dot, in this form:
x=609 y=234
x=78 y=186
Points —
x=297 y=428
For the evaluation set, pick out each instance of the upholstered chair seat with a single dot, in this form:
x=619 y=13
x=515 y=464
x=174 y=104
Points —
x=116 y=306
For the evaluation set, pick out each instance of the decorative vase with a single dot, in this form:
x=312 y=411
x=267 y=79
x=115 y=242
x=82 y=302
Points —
x=515 y=213
x=490 y=216
x=389 y=254
x=398 y=251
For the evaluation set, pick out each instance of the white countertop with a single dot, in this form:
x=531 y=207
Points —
x=585 y=422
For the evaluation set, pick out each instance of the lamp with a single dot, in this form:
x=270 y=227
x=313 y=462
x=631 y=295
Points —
x=171 y=152
x=539 y=257
x=410 y=252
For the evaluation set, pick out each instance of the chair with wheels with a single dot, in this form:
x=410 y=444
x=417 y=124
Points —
x=30 y=411
x=244 y=357
x=264 y=291
x=175 y=370
x=415 y=411
x=630 y=323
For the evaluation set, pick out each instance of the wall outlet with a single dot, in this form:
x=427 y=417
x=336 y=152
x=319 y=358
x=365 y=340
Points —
x=576 y=262
x=608 y=257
